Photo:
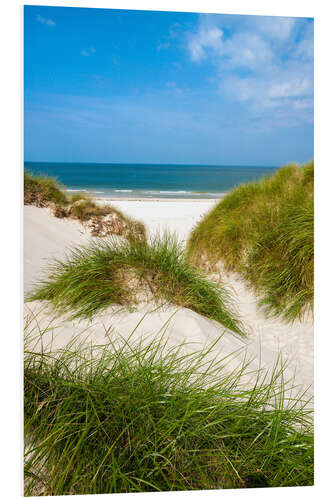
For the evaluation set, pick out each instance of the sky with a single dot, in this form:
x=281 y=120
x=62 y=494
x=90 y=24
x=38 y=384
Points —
x=105 y=85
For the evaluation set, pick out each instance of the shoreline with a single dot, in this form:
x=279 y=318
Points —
x=127 y=198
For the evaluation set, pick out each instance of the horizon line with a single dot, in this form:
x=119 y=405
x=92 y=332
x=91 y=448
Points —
x=147 y=163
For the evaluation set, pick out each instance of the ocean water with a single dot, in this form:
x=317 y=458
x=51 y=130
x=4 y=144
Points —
x=149 y=181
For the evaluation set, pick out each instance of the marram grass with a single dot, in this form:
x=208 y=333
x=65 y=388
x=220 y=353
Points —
x=264 y=231
x=143 y=417
x=41 y=190
x=110 y=271
x=44 y=191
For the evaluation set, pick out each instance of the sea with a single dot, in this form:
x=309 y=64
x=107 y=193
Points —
x=129 y=180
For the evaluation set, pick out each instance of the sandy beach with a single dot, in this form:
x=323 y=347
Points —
x=178 y=216
x=47 y=237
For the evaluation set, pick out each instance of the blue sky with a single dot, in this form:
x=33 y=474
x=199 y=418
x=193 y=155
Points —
x=159 y=87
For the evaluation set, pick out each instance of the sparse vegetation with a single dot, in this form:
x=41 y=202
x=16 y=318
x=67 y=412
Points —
x=84 y=208
x=264 y=231
x=79 y=195
x=43 y=190
x=115 y=272
x=102 y=220
x=143 y=417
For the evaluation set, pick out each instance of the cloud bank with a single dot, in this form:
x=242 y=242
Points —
x=265 y=63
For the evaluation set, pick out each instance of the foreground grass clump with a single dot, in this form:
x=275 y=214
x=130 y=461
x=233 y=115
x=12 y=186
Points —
x=144 y=418
x=118 y=272
x=102 y=220
x=264 y=231
x=42 y=190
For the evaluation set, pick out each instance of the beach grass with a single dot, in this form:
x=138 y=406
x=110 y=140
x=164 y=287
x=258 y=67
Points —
x=44 y=191
x=78 y=196
x=110 y=271
x=41 y=190
x=84 y=208
x=264 y=231
x=140 y=417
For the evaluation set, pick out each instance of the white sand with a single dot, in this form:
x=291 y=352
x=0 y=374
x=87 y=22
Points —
x=46 y=236
x=173 y=215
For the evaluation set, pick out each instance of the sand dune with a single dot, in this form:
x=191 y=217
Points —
x=47 y=237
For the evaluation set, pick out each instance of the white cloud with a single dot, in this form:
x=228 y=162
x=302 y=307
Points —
x=304 y=49
x=283 y=99
x=207 y=37
x=87 y=53
x=290 y=87
x=303 y=104
x=175 y=30
x=264 y=63
x=48 y=22
x=240 y=89
x=245 y=50
x=279 y=28
x=267 y=89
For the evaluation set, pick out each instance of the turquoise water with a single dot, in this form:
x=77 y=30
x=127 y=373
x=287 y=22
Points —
x=149 y=181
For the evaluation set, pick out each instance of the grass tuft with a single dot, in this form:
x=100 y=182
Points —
x=84 y=208
x=114 y=272
x=140 y=418
x=264 y=231
x=42 y=190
